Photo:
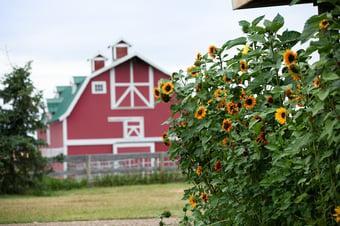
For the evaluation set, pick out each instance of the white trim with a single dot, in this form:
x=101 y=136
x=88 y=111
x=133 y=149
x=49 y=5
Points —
x=100 y=71
x=48 y=135
x=65 y=143
x=95 y=83
x=151 y=86
x=129 y=129
x=51 y=152
x=133 y=145
x=110 y=141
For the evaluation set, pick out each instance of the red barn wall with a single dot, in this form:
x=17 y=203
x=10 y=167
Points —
x=89 y=149
x=89 y=118
x=56 y=134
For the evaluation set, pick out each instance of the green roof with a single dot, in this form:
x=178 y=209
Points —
x=59 y=105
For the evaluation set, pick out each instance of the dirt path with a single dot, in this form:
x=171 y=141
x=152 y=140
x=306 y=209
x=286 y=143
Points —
x=136 y=222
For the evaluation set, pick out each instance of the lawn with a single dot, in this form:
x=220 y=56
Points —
x=125 y=202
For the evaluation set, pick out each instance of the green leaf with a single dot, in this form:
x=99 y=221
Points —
x=326 y=154
x=323 y=94
x=257 y=38
x=317 y=108
x=330 y=76
x=300 y=197
x=235 y=42
x=271 y=147
x=257 y=20
x=278 y=22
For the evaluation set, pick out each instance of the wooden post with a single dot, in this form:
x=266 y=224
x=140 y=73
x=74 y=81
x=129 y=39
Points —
x=161 y=166
x=88 y=168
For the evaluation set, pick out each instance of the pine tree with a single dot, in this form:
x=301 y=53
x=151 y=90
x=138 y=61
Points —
x=21 y=115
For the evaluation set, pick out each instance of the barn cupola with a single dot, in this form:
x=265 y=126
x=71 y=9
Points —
x=98 y=62
x=119 y=49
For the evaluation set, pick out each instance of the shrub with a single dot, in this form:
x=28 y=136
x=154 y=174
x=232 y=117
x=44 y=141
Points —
x=257 y=134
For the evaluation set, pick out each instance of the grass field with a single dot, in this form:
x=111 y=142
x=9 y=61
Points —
x=140 y=201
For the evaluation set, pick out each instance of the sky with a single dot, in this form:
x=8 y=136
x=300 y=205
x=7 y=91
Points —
x=60 y=36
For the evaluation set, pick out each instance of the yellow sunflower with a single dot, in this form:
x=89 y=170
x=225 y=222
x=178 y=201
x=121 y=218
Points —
x=199 y=170
x=243 y=65
x=199 y=56
x=226 y=126
x=289 y=57
x=316 y=82
x=281 y=115
x=184 y=124
x=270 y=100
x=290 y=94
x=245 y=50
x=337 y=214
x=201 y=112
x=204 y=197
x=192 y=71
x=217 y=93
x=165 y=136
x=212 y=51
x=156 y=93
x=324 y=24
x=225 y=141
x=167 y=88
x=249 y=102
x=232 y=108
x=192 y=201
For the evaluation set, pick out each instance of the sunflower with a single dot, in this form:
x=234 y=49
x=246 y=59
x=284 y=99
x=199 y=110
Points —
x=324 y=24
x=217 y=93
x=167 y=142
x=184 y=124
x=199 y=56
x=193 y=71
x=199 y=170
x=281 y=115
x=316 y=82
x=156 y=93
x=212 y=51
x=192 y=201
x=270 y=100
x=337 y=214
x=165 y=136
x=210 y=101
x=225 y=141
x=243 y=94
x=262 y=138
x=249 y=102
x=166 y=98
x=232 y=108
x=245 y=50
x=243 y=65
x=290 y=94
x=167 y=88
x=204 y=197
x=226 y=126
x=294 y=70
x=201 y=112
x=226 y=79
x=218 y=166
x=289 y=57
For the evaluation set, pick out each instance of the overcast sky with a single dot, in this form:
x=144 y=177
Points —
x=59 y=36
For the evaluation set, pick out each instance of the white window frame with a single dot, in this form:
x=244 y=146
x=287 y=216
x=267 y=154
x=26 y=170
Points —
x=130 y=129
x=95 y=83
x=132 y=89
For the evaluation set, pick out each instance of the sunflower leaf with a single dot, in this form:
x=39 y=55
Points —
x=235 y=42
x=257 y=20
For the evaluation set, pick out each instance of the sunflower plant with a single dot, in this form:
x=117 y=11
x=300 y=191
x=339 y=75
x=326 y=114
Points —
x=257 y=133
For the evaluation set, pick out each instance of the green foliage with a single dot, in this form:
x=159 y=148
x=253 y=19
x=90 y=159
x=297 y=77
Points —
x=21 y=163
x=133 y=179
x=257 y=134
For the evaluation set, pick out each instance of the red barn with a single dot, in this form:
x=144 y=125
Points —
x=110 y=111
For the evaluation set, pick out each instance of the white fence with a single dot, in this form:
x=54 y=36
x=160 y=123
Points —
x=90 y=166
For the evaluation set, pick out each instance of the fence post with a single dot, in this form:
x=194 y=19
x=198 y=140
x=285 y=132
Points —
x=161 y=166
x=88 y=168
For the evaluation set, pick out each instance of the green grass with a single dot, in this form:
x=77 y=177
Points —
x=124 y=202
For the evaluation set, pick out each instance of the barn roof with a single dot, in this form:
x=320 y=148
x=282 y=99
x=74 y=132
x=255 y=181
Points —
x=59 y=104
x=246 y=4
x=62 y=106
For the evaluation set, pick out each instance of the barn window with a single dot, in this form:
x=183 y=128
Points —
x=99 y=87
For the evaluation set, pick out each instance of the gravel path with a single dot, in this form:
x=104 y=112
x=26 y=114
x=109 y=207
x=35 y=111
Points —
x=136 y=222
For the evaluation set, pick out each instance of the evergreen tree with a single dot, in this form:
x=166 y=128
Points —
x=21 y=115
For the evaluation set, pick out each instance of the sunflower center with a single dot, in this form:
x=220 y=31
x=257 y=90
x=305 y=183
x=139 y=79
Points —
x=199 y=112
x=226 y=125
x=270 y=100
x=168 y=88
x=291 y=57
x=249 y=101
x=283 y=115
x=243 y=66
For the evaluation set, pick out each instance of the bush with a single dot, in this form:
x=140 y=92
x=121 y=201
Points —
x=257 y=134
